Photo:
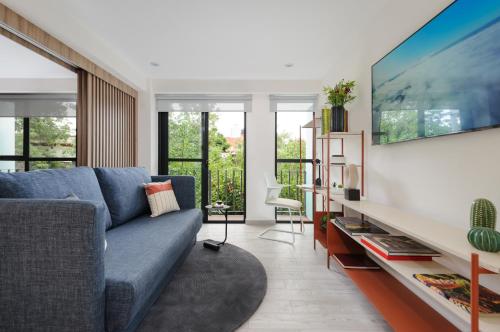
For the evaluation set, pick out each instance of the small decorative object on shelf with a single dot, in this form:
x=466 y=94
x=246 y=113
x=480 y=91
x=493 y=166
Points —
x=324 y=221
x=338 y=96
x=350 y=192
x=483 y=214
x=318 y=179
x=337 y=189
x=325 y=120
x=483 y=219
x=484 y=238
x=351 y=174
x=338 y=159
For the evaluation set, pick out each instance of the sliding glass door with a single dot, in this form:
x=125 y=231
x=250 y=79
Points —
x=185 y=148
x=226 y=162
x=211 y=147
x=293 y=148
x=290 y=141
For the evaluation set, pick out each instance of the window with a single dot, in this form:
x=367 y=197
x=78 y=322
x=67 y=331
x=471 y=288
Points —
x=204 y=136
x=37 y=131
x=293 y=145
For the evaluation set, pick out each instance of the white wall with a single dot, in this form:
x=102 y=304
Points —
x=436 y=177
x=75 y=34
x=259 y=129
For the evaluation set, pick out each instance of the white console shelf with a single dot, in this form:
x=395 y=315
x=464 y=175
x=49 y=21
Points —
x=444 y=238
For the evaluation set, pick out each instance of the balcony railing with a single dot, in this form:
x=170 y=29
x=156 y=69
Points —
x=292 y=178
x=228 y=185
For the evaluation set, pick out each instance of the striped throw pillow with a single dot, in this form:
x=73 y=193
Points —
x=161 y=198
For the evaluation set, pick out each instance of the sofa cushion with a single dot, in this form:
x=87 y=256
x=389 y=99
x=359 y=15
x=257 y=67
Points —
x=141 y=254
x=123 y=190
x=161 y=198
x=54 y=184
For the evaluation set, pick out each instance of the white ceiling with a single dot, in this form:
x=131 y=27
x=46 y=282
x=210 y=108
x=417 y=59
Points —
x=18 y=61
x=219 y=39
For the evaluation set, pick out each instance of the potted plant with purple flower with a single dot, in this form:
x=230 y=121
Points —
x=338 y=96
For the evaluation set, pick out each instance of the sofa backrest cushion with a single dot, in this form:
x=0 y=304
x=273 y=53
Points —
x=54 y=184
x=123 y=190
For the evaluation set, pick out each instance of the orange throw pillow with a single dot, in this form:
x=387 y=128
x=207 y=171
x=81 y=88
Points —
x=161 y=198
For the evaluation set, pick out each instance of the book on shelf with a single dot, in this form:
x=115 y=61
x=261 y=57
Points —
x=356 y=261
x=456 y=289
x=397 y=247
x=356 y=227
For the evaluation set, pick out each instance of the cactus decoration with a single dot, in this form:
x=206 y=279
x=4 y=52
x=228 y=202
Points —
x=483 y=214
x=484 y=238
x=483 y=235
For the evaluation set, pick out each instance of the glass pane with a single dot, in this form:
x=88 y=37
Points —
x=53 y=137
x=11 y=166
x=51 y=164
x=11 y=136
x=184 y=135
x=192 y=168
x=226 y=139
x=289 y=174
x=288 y=135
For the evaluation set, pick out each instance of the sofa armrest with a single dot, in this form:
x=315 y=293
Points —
x=184 y=188
x=51 y=265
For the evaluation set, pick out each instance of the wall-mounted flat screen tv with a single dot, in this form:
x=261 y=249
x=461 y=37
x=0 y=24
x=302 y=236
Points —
x=444 y=79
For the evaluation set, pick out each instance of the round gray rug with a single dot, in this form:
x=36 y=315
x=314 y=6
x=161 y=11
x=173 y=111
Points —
x=212 y=291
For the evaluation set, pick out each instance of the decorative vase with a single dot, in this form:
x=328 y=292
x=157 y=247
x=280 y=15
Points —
x=337 y=122
x=483 y=214
x=351 y=175
x=484 y=238
x=326 y=115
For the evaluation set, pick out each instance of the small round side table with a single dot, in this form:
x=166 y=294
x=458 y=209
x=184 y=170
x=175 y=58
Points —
x=211 y=244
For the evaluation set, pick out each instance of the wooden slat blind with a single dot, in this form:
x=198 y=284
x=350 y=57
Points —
x=106 y=124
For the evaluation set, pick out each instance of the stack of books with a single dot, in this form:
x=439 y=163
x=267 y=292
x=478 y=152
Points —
x=456 y=289
x=356 y=227
x=395 y=247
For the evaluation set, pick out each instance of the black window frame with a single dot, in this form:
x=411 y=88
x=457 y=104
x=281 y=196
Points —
x=164 y=159
x=25 y=157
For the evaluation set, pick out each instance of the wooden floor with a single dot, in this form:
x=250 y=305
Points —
x=303 y=295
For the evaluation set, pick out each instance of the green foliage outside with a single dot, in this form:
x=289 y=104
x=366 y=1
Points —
x=49 y=137
x=226 y=166
x=288 y=173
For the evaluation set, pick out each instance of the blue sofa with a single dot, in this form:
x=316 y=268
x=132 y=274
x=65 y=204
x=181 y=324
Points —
x=55 y=273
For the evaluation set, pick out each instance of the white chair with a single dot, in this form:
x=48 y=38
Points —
x=273 y=199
